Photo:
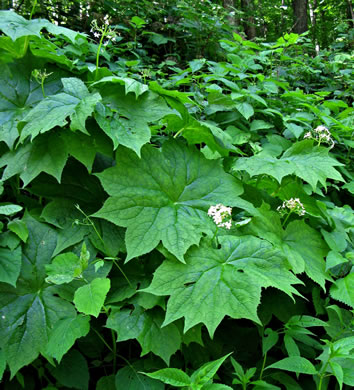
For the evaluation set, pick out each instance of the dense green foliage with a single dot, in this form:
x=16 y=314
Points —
x=113 y=273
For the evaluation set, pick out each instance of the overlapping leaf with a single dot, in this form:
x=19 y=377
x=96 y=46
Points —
x=165 y=196
x=128 y=125
x=54 y=110
x=15 y=26
x=145 y=326
x=29 y=312
x=310 y=163
x=18 y=94
x=46 y=154
x=228 y=280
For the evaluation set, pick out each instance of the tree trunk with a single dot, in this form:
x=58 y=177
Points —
x=312 y=7
x=229 y=6
x=249 y=22
x=350 y=13
x=300 y=16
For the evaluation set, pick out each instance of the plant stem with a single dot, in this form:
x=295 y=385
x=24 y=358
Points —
x=287 y=217
x=99 y=49
x=263 y=365
x=42 y=86
x=125 y=276
x=103 y=340
x=178 y=132
x=33 y=8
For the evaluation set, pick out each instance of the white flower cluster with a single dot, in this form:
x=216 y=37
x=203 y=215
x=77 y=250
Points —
x=320 y=134
x=221 y=215
x=98 y=31
x=294 y=205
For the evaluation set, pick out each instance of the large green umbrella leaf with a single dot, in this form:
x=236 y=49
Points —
x=75 y=102
x=47 y=153
x=307 y=242
x=228 y=280
x=16 y=26
x=145 y=326
x=129 y=125
x=165 y=196
x=29 y=312
x=264 y=164
x=310 y=163
x=18 y=94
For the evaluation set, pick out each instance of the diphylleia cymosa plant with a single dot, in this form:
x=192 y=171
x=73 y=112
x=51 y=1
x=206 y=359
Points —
x=102 y=32
x=321 y=134
x=290 y=206
x=221 y=215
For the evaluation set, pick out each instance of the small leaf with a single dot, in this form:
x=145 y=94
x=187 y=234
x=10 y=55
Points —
x=291 y=347
x=207 y=371
x=343 y=290
x=338 y=372
x=9 y=209
x=18 y=227
x=64 y=268
x=89 y=299
x=170 y=376
x=245 y=109
x=296 y=364
x=269 y=339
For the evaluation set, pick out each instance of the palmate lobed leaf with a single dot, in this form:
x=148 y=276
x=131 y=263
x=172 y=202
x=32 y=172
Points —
x=228 y=280
x=145 y=326
x=54 y=110
x=165 y=196
x=15 y=26
x=18 y=95
x=30 y=311
x=312 y=164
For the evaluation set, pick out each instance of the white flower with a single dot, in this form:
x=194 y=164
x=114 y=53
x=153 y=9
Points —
x=221 y=215
x=294 y=205
x=308 y=135
x=320 y=134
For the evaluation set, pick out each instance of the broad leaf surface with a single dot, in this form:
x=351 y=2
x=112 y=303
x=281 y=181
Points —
x=18 y=94
x=171 y=376
x=47 y=153
x=10 y=265
x=229 y=279
x=15 y=26
x=73 y=371
x=64 y=268
x=343 y=290
x=64 y=334
x=312 y=252
x=31 y=310
x=296 y=364
x=310 y=163
x=129 y=125
x=90 y=298
x=54 y=110
x=128 y=378
x=145 y=326
x=165 y=196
